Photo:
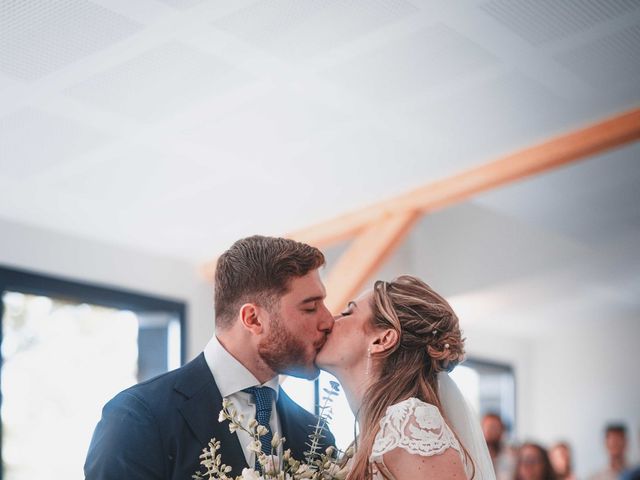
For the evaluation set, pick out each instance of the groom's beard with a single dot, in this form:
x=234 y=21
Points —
x=284 y=353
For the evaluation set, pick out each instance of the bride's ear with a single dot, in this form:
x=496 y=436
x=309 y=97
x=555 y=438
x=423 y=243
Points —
x=385 y=340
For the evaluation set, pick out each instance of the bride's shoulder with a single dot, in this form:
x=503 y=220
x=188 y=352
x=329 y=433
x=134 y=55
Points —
x=414 y=407
x=412 y=418
x=413 y=425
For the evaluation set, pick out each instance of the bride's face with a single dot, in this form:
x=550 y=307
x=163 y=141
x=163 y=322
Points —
x=347 y=344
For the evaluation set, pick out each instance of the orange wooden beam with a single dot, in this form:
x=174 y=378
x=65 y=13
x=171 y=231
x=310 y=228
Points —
x=564 y=149
x=364 y=257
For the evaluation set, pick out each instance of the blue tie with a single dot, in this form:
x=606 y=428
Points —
x=263 y=397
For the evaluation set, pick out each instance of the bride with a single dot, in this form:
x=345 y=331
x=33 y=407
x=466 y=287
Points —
x=391 y=350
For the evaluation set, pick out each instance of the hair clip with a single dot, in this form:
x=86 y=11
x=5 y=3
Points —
x=434 y=331
x=446 y=346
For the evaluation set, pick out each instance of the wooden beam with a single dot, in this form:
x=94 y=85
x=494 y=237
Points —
x=208 y=270
x=364 y=257
x=562 y=150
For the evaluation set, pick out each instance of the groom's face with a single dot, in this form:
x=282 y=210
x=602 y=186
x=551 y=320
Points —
x=297 y=328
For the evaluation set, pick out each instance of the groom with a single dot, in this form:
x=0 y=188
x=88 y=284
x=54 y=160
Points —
x=270 y=319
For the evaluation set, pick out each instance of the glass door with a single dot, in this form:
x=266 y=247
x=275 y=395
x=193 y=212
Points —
x=64 y=356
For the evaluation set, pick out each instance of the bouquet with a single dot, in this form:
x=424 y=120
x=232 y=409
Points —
x=318 y=465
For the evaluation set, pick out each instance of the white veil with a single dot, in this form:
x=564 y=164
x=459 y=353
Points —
x=466 y=425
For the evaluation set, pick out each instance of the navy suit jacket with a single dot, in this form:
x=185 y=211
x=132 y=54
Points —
x=157 y=429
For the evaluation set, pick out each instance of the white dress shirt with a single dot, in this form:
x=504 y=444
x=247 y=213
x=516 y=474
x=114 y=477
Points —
x=232 y=377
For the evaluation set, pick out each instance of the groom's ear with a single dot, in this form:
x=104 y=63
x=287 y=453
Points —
x=250 y=318
x=385 y=340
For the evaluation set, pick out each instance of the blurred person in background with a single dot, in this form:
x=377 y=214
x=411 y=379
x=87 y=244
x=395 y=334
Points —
x=533 y=464
x=615 y=440
x=561 y=461
x=632 y=473
x=502 y=455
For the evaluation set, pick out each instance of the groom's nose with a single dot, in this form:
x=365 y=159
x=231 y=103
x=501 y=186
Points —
x=326 y=324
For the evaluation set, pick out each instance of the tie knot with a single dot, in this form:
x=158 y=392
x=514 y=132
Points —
x=263 y=397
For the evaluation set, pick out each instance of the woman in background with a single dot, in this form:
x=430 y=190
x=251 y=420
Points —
x=533 y=463
x=560 y=457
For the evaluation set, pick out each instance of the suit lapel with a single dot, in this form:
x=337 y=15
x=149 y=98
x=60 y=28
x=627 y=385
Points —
x=200 y=411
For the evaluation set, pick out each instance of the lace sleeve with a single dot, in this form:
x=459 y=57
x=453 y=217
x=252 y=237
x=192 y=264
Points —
x=416 y=427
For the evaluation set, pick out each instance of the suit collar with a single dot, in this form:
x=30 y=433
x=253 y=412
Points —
x=200 y=410
x=194 y=378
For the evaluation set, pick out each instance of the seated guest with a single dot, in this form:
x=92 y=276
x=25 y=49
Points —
x=533 y=463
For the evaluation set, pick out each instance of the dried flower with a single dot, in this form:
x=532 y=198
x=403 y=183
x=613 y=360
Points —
x=318 y=465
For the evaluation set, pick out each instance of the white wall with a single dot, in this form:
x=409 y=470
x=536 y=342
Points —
x=584 y=379
x=86 y=260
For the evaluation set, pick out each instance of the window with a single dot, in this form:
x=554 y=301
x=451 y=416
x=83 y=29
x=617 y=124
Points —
x=490 y=388
x=67 y=348
x=310 y=394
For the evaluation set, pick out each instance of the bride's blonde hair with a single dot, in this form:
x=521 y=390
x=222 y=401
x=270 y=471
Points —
x=429 y=342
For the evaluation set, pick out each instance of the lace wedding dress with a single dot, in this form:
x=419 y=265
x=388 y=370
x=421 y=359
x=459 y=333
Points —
x=416 y=427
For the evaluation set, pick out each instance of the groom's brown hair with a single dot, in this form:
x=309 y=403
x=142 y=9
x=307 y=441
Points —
x=258 y=269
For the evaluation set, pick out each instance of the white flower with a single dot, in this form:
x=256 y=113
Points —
x=304 y=471
x=250 y=474
x=336 y=472
x=222 y=417
x=262 y=430
x=270 y=463
x=275 y=441
x=254 y=446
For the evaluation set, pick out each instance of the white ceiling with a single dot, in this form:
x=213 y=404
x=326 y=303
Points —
x=179 y=126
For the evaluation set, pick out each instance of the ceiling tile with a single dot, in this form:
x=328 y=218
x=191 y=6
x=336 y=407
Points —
x=181 y=4
x=492 y=118
x=611 y=61
x=299 y=29
x=138 y=178
x=38 y=37
x=164 y=80
x=273 y=125
x=433 y=56
x=32 y=141
x=548 y=20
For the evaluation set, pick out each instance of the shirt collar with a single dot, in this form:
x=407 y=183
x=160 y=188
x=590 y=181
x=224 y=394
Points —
x=230 y=375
